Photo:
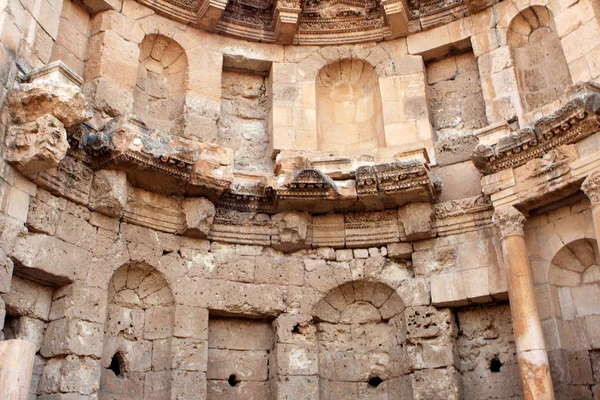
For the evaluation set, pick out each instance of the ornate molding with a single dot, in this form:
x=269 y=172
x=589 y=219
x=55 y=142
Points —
x=397 y=177
x=591 y=187
x=509 y=220
x=576 y=120
x=456 y=208
x=316 y=21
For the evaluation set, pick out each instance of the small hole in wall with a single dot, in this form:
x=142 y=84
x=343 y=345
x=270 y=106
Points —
x=115 y=365
x=233 y=380
x=296 y=329
x=375 y=381
x=495 y=365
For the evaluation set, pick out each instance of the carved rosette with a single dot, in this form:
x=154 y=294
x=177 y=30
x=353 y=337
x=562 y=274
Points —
x=591 y=187
x=509 y=220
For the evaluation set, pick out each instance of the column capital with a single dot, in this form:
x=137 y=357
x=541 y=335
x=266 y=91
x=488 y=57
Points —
x=509 y=220
x=591 y=187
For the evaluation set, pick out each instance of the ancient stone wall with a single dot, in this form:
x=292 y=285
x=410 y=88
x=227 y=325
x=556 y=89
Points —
x=267 y=200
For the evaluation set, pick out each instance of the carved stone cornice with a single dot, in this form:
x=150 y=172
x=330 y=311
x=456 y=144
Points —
x=455 y=208
x=509 y=220
x=591 y=187
x=575 y=120
x=314 y=22
x=128 y=144
x=308 y=183
x=396 y=177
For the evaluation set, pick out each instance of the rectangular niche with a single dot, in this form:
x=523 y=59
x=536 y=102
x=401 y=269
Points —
x=245 y=105
x=239 y=352
x=455 y=96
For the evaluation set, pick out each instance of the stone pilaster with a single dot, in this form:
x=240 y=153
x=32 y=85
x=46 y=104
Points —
x=534 y=366
x=591 y=187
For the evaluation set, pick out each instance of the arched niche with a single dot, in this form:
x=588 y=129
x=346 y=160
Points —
x=136 y=358
x=159 y=95
x=541 y=68
x=359 y=342
x=349 y=107
x=573 y=302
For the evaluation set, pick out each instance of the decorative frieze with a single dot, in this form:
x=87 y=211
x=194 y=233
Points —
x=464 y=215
x=371 y=229
x=574 y=121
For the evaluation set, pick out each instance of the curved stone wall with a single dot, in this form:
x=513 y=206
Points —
x=276 y=200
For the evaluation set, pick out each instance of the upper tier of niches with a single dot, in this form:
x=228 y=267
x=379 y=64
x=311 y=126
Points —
x=317 y=22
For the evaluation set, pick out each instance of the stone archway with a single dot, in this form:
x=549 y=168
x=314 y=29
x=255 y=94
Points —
x=360 y=347
x=136 y=359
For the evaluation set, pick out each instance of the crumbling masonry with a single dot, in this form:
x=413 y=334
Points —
x=302 y=200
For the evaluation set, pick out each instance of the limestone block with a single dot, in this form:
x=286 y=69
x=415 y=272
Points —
x=199 y=214
x=136 y=355
x=251 y=365
x=280 y=270
x=293 y=231
x=293 y=359
x=6 y=271
x=343 y=255
x=294 y=328
x=188 y=385
x=190 y=354
x=79 y=301
x=238 y=298
x=42 y=217
x=158 y=323
x=432 y=353
x=242 y=391
x=428 y=322
x=296 y=387
x=107 y=97
x=30 y=329
x=27 y=298
x=191 y=322
x=158 y=383
x=437 y=384
x=37 y=145
x=75 y=230
x=400 y=250
x=28 y=102
x=109 y=193
x=238 y=334
x=416 y=220
x=72 y=336
x=51 y=259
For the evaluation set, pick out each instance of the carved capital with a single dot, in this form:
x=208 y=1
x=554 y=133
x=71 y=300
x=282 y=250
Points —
x=509 y=220
x=591 y=187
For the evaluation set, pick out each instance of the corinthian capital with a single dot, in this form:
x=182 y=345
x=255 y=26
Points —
x=509 y=220
x=591 y=187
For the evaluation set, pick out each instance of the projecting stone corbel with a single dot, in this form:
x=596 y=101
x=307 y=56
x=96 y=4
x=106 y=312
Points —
x=397 y=16
x=285 y=19
x=210 y=13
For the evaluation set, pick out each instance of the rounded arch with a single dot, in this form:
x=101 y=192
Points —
x=349 y=107
x=359 y=302
x=359 y=344
x=542 y=72
x=576 y=263
x=161 y=84
x=137 y=333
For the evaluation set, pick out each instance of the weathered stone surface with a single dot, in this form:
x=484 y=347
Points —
x=37 y=145
x=30 y=101
x=110 y=191
x=416 y=221
x=292 y=231
x=199 y=214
